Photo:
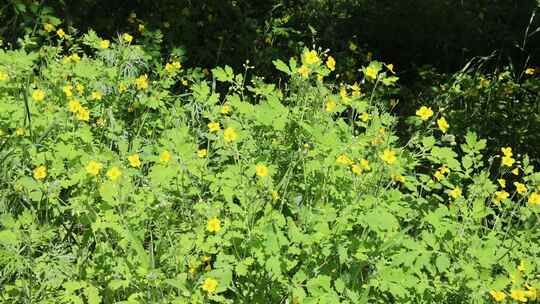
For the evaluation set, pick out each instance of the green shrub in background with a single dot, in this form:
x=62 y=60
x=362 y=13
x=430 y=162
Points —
x=127 y=177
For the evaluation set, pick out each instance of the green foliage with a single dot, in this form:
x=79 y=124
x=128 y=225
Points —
x=128 y=178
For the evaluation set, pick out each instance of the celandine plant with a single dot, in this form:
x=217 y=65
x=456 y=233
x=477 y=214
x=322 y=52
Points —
x=127 y=178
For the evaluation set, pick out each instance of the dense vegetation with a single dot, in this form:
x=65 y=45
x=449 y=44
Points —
x=283 y=158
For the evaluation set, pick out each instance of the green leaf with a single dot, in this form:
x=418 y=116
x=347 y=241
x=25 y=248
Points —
x=281 y=66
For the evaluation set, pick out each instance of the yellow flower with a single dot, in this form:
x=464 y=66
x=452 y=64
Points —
x=534 y=199
x=165 y=156
x=531 y=293
x=364 y=116
x=80 y=88
x=261 y=170
x=388 y=156
x=515 y=171
x=202 y=153
x=177 y=65
x=331 y=63
x=40 y=172
x=93 y=167
x=184 y=82
x=104 y=44
x=507 y=151
x=213 y=225
x=225 y=109
x=127 y=37
x=230 y=134
x=61 y=33
x=356 y=169
x=275 y=195
x=530 y=71
x=521 y=266
x=209 y=285
x=96 y=95
x=114 y=173
x=390 y=67
x=47 y=27
x=502 y=182
x=142 y=82
x=399 y=178
x=508 y=161
x=343 y=160
x=67 y=89
x=169 y=67
x=498 y=296
x=213 y=126
x=500 y=196
x=455 y=193
x=424 y=112
x=364 y=163
x=311 y=57
x=344 y=95
x=330 y=105
x=83 y=114
x=38 y=95
x=3 y=76
x=134 y=161
x=141 y=28
x=74 y=58
x=443 y=124
x=19 y=131
x=518 y=295
x=371 y=72
x=74 y=105
x=520 y=188
x=304 y=71
x=122 y=88
x=356 y=90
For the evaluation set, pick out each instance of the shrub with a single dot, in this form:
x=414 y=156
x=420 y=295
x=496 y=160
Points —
x=126 y=178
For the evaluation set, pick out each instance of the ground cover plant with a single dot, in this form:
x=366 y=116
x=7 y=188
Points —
x=128 y=176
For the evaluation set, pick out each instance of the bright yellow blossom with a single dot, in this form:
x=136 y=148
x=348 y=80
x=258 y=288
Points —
x=330 y=105
x=500 y=196
x=343 y=160
x=225 y=109
x=311 y=57
x=230 y=135
x=261 y=170
x=520 y=188
x=364 y=116
x=304 y=71
x=424 y=112
x=356 y=169
x=165 y=156
x=127 y=37
x=209 y=285
x=531 y=293
x=498 y=296
x=47 y=27
x=202 y=153
x=530 y=71
x=455 y=193
x=134 y=161
x=534 y=199
x=74 y=105
x=213 y=126
x=93 y=167
x=443 y=124
x=40 y=172
x=388 y=156
x=83 y=114
x=61 y=33
x=507 y=151
x=67 y=89
x=38 y=95
x=96 y=95
x=114 y=173
x=518 y=295
x=331 y=63
x=104 y=44
x=507 y=161
x=213 y=225
x=4 y=76
x=364 y=164
x=502 y=182
x=142 y=82
x=515 y=171
x=390 y=67
x=371 y=72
